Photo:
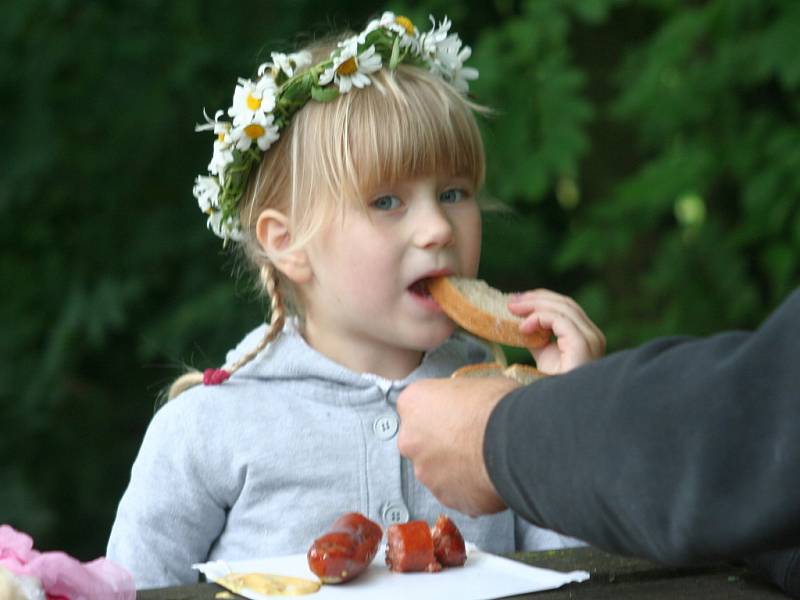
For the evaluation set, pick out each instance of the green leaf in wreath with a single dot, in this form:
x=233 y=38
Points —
x=395 y=58
x=324 y=94
x=297 y=88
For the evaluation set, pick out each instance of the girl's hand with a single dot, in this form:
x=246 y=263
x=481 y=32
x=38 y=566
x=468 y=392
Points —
x=578 y=339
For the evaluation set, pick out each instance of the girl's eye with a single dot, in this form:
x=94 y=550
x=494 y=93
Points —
x=452 y=195
x=386 y=203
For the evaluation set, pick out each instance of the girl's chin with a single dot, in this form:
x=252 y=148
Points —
x=436 y=334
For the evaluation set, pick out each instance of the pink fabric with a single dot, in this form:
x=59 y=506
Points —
x=61 y=575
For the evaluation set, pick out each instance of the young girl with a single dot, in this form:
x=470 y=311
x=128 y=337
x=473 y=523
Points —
x=348 y=175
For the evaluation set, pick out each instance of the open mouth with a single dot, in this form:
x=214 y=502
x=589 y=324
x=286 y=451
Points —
x=422 y=297
x=420 y=288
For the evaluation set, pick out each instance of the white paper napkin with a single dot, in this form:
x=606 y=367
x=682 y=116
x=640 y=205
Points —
x=483 y=577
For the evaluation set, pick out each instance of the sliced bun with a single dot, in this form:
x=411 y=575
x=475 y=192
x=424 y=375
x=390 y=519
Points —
x=483 y=311
x=523 y=374
x=480 y=370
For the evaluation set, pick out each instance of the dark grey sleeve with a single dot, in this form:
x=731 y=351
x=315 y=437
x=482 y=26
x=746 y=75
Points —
x=680 y=450
x=782 y=567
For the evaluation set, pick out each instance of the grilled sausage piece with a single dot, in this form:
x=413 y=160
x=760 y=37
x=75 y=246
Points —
x=448 y=543
x=346 y=549
x=410 y=548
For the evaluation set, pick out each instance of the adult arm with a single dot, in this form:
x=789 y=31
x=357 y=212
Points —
x=682 y=449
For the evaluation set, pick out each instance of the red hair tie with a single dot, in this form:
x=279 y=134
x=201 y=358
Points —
x=214 y=376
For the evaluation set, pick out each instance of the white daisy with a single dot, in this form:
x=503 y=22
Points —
x=221 y=157
x=448 y=61
x=350 y=68
x=447 y=52
x=262 y=130
x=397 y=23
x=461 y=78
x=210 y=124
x=287 y=63
x=251 y=99
x=227 y=230
x=232 y=230
x=207 y=189
x=223 y=151
x=214 y=223
x=429 y=40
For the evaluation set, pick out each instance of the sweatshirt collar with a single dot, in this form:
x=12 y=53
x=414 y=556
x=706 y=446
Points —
x=290 y=357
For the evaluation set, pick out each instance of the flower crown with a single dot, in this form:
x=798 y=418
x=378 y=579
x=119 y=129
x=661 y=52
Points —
x=262 y=108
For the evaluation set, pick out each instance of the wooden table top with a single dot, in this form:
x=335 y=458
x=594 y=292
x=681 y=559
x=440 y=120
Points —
x=612 y=577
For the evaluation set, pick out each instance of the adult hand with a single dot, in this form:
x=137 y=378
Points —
x=442 y=423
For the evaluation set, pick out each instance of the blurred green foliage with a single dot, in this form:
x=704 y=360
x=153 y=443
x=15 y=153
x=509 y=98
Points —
x=650 y=152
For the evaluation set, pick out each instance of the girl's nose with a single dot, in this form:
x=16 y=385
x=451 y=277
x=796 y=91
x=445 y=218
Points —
x=433 y=228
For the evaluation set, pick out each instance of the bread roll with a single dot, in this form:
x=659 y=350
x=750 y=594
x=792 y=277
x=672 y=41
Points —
x=483 y=311
x=523 y=374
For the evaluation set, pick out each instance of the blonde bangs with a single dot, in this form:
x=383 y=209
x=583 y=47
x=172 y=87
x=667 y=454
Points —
x=407 y=124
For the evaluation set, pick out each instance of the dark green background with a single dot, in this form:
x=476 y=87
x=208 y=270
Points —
x=650 y=151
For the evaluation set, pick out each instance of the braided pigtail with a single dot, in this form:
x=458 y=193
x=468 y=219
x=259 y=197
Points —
x=184 y=382
x=269 y=280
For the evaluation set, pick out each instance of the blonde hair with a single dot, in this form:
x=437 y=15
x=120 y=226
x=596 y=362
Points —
x=408 y=123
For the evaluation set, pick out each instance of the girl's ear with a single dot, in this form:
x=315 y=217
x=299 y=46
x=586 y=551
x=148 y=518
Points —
x=274 y=235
